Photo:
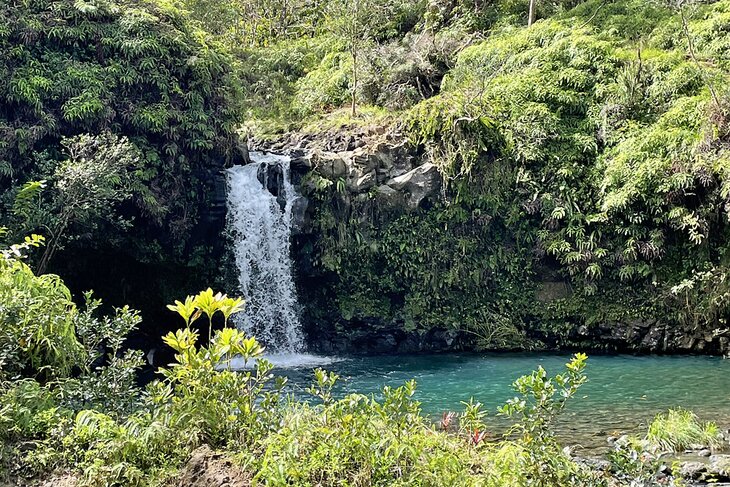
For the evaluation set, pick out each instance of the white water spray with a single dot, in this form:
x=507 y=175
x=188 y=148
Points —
x=261 y=232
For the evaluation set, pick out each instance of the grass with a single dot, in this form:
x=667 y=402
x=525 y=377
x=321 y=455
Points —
x=341 y=119
x=679 y=429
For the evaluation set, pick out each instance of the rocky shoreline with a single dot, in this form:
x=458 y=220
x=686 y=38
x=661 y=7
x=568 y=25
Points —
x=207 y=468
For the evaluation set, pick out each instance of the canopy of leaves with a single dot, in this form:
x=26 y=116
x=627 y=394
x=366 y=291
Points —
x=134 y=68
x=591 y=147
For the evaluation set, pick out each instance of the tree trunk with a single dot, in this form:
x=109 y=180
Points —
x=51 y=249
x=531 y=14
x=353 y=112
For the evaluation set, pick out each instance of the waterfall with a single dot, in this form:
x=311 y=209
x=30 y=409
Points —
x=259 y=223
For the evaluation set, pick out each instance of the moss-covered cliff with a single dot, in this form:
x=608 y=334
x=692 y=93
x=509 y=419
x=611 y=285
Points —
x=583 y=191
x=500 y=185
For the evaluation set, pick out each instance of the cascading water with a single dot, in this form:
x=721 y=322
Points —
x=261 y=230
x=259 y=223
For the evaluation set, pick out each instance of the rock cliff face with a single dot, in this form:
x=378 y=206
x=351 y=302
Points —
x=381 y=171
x=379 y=177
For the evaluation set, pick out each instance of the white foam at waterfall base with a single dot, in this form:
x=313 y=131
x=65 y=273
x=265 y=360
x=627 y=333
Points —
x=287 y=361
x=261 y=231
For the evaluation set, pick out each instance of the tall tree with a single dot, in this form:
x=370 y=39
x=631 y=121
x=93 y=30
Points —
x=531 y=13
x=357 y=23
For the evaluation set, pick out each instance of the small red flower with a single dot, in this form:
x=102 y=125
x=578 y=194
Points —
x=478 y=436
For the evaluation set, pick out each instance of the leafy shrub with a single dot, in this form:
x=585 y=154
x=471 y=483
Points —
x=87 y=188
x=108 y=380
x=632 y=464
x=639 y=462
x=541 y=400
x=326 y=87
x=60 y=350
x=219 y=403
x=135 y=69
x=356 y=439
x=128 y=453
x=29 y=411
x=363 y=441
x=37 y=332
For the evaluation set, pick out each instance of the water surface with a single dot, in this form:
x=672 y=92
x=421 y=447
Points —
x=622 y=395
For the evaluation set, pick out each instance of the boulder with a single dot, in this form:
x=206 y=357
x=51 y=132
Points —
x=693 y=470
x=300 y=162
x=393 y=160
x=719 y=467
x=388 y=197
x=360 y=179
x=653 y=339
x=242 y=146
x=364 y=160
x=365 y=182
x=420 y=183
x=272 y=178
x=299 y=216
x=329 y=164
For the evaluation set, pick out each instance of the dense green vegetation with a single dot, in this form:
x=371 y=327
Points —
x=590 y=149
x=679 y=429
x=91 y=423
x=137 y=74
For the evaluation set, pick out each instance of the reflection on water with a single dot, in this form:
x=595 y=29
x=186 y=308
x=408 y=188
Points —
x=622 y=395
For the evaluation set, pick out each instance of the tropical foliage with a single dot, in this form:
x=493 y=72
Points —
x=159 y=99
x=84 y=411
x=679 y=429
x=589 y=149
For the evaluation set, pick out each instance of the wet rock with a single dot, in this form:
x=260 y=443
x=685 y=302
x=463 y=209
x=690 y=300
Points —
x=719 y=467
x=367 y=337
x=443 y=339
x=215 y=213
x=653 y=339
x=299 y=215
x=242 y=146
x=386 y=343
x=272 y=178
x=386 y=176
x=411 y=344
x=704 y=453
x=301 y=163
